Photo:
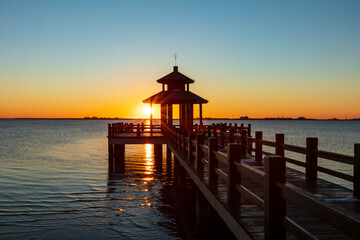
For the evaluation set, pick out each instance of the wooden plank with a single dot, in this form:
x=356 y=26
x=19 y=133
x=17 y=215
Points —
x=268 y=143
x=222 y=157
x=135 y=140
x=234 y=226
x=267 y=153
x=205 y=161
x=334 y=215
x=335 y=173
x=293 y=148
x=251 y=196
x=295 y=162
x=221 y=174
x=296 y=230
x=335 y=157
x=204 y=148
x=253 y=173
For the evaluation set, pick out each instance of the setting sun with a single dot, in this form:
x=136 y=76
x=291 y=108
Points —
x=147 y=110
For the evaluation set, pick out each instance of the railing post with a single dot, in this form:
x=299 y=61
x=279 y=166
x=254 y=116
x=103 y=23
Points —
x=231 y=135
x=279 y=148
x=234 y=177
x=258 y=146
x=222 y=135
x=357 y=170
x=248 y=145
x=275 y=206
x=142 y=126
x=243 y=142
x=311 y=159
x=199 y=153
x=213 y=162
x=190 y=148
x=183 y=140
x=109 y=130
x=138 y=130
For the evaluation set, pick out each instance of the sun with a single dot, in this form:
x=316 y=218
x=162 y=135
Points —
x=147 y=110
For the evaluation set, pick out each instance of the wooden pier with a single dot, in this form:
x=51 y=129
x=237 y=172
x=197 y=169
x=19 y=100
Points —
x=254 y=191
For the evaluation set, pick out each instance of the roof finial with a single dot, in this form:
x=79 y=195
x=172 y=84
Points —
x=175 y=56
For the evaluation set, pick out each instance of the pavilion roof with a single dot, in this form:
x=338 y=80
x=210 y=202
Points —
x=175 y=97
x=175 y=76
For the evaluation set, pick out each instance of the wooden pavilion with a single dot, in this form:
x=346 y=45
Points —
x=176 y=90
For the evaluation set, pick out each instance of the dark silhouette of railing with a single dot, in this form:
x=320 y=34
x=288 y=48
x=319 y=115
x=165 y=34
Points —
x=217 y=151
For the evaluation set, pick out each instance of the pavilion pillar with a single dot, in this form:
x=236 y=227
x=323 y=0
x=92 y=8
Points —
x=200 y=114
x=163 y=115
x=182 y=115
x=169 y=115
x=190 y=117
x=151 y=120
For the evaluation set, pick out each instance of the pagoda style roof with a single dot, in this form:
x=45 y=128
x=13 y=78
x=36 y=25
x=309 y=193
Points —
x=175 y=76
x=175 y=97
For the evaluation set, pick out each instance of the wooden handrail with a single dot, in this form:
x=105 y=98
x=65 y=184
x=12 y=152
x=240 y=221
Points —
x=288 y=192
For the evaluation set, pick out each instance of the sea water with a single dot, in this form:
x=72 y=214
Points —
x=54 y=181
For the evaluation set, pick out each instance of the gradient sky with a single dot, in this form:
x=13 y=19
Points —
x=253 y=58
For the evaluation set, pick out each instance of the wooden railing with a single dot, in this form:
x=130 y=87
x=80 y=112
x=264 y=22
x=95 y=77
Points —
x=115 y=129
x=205 y=150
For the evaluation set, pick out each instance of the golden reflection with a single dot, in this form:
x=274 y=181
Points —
x=149 y=161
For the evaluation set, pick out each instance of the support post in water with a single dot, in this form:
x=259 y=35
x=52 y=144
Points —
x=168 y=160
x=158 y=157
x=111 y=157
x=357 y=170
x=119 y=153
x=311 y=159
x=202 y=212
x=176 y=170
x=275 y=205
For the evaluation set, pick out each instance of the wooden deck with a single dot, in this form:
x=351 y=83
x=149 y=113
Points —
x=133 y=138
x=261 y=197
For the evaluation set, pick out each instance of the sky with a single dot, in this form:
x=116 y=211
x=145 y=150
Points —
x=61 y=59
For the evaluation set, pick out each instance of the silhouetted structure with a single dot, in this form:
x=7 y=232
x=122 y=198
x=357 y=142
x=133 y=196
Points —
x=245 y=179
x=176 y=90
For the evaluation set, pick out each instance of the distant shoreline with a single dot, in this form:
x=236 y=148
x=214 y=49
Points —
x=227 y=119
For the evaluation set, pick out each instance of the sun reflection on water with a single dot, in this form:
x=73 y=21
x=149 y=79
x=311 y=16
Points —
x=149 y=161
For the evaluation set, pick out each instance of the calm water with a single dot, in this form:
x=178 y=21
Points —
x=55 y=184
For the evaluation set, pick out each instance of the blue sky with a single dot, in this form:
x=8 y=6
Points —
x=281 y=46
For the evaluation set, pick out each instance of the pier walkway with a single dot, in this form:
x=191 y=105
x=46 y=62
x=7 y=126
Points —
x=251 y=183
